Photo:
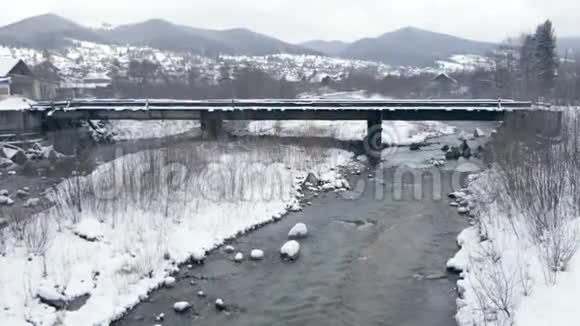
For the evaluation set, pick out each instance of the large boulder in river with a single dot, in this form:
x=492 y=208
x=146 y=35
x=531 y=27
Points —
x=290 y=250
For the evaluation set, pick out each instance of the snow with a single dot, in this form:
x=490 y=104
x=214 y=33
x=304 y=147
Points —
x=290 y=249
x=257 y=254
x=133 y=130
x=298 y=231
x=402 y=133
x=11 y=103
x=137 y=237
x=89 y=229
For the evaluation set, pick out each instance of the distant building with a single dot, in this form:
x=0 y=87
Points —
x=93 y=85
x=16 y=78
x=443 y=85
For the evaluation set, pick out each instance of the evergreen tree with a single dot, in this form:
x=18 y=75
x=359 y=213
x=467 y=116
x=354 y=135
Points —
x=527 y=66
x=546 y=58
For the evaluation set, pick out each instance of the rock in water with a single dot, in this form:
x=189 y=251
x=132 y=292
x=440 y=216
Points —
x=298 y=231
x=477 y=133
x=453 y=154
x=169 y=282
x=219 y=304
x=290 y=249
x=464 y=149
x=239 y=257
x=257 y=254
x=445 y=148
x=229 y=249
x=181 y=306
x=415 y=147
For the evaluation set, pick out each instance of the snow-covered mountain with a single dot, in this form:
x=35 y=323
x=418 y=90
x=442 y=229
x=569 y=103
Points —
x=182 y=51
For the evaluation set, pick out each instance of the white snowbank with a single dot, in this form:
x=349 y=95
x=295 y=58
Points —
x=503 y=281
x=290 y=249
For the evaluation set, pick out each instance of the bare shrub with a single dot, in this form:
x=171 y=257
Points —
x=18 y=221
x=37 y=239
x=494 y=289
x=538 y=175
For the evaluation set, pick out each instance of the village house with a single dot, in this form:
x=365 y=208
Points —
x=16 y=78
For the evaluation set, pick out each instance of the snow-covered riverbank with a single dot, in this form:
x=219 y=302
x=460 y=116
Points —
x=116 y=234
x=504 y=279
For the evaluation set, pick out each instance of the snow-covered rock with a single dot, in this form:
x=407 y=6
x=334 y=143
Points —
x=257 y=254
x=298 y=231
x=239 y=257
x=89 y=229
x=290 y=249
x=169 y=282
x=312 y=179
x=4 y=192
x=229 y=249
x=181 y=306
x=6 y=201
x=463 y=210
x=219 y=304
x=477 y=133
x=200 y=294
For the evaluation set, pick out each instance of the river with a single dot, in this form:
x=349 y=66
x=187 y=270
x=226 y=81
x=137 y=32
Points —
x=374 y=256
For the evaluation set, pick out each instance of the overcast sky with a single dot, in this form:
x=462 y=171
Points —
x=301 y=20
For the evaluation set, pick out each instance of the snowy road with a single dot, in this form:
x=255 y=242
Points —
x=367 y=261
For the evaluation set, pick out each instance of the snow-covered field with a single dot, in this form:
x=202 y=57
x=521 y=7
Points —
x=118 y=233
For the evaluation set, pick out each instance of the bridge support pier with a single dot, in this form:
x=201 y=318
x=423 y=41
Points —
x=211 y=125
x=373 y=143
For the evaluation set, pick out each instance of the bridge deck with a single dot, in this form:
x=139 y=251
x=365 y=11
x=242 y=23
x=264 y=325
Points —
x=281 y=109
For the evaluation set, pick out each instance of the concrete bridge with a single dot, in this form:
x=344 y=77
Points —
x=212 y=112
